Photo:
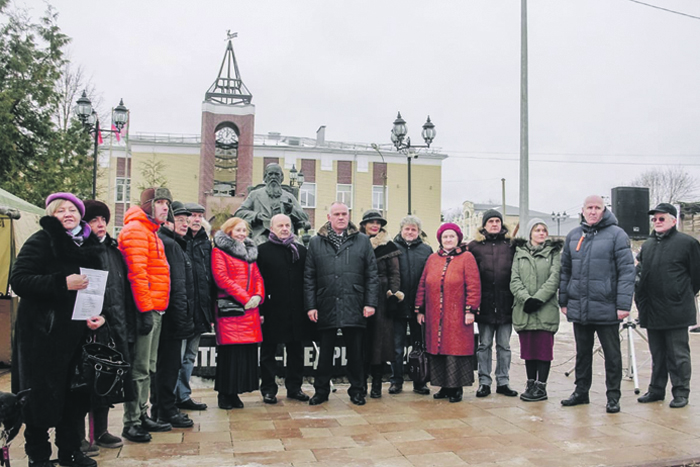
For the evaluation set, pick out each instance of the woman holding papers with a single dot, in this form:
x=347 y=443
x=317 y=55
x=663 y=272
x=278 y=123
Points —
x=48 y=342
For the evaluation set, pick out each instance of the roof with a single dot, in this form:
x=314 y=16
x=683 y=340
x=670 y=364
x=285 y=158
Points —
x=8 y=200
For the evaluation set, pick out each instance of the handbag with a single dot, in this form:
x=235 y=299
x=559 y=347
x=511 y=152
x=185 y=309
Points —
x=418 y=364
x=228 y=307
x=101 y=372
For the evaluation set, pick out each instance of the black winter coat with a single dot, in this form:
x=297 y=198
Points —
x=597 y=272
x=339 y=284
x=411 y=263
x=47 y=341
x=669 y=278
x=283 y=307
x=199 y=252
x=494 y=256
x=178 y=321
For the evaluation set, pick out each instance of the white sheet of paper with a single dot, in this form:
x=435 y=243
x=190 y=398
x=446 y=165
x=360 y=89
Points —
x=89 y=301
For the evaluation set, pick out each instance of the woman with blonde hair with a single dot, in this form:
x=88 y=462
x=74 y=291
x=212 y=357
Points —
x=237 y=319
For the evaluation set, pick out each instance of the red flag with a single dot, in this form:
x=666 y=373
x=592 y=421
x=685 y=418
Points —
x=117 y=133
x=99 y=133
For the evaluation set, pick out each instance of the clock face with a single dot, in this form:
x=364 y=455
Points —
x=226 y=136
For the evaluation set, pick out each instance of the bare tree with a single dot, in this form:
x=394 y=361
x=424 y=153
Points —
x=70 y=86
x=667 y=185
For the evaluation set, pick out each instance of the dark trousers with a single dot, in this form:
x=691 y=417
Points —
x=355 y=368
x=609 y=337
x=293 y=376
x=167 y=373
x=68 y=430
x=670 y=355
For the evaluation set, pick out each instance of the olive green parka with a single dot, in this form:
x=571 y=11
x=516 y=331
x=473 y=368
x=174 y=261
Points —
x=535 y=274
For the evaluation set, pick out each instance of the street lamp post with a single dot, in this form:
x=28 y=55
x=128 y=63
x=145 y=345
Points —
x=88 y=117
x=296 y=178
x=403 y=144
x=558 y=217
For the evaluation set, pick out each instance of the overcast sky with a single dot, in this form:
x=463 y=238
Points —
x=614 y=85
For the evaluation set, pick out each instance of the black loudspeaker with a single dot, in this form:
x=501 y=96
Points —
x=631 y=205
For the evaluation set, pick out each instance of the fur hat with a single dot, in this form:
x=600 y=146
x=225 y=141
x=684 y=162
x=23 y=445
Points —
x=449 y=226
x=94 y=208
x=373 y=215
x=150 y=195
x=68 y=197
x=489 y=214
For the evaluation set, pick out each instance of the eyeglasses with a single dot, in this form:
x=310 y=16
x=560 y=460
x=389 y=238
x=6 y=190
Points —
x=658 y=219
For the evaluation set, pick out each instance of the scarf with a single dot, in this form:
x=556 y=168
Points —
x=80 y=233
x=288 y=242
x=458 y=250
x=335 y=239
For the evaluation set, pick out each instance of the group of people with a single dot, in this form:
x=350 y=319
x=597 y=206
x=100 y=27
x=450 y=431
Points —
x=168 y=282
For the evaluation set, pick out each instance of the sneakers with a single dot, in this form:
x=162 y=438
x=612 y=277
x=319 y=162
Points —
x=76 y=459
x=109 y=441
x=538 y=392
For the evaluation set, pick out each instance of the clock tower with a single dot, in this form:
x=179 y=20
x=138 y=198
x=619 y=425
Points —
x=228 y=118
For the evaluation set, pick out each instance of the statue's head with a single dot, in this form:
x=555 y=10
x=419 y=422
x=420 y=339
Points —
x=273 y=174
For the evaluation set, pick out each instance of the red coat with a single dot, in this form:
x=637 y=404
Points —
x=449 y=283
x=231 y=276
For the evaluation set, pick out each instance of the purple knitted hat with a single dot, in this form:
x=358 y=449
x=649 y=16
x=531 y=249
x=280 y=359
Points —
x=68 y=197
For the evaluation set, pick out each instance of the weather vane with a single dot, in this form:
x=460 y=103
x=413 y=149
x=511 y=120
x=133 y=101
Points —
x=230 y=35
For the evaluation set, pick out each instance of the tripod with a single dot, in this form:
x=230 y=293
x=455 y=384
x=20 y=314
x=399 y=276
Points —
x=629 y=327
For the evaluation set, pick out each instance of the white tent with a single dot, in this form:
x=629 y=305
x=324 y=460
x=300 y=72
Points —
x=18 y=220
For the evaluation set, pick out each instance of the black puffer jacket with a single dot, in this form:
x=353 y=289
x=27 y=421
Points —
x=669 y=278
x=47 y=341
x=411 y=263
x=494 y=256
x=339 y=284
x=178 y=321
x=199 y=252
x=597 y=272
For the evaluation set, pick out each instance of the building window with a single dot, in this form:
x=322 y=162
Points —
x=378 y=201
x=123 y=186
x=344 y=195
x=307 y=195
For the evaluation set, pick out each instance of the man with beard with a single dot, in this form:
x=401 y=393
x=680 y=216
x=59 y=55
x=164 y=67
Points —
x=264 y=203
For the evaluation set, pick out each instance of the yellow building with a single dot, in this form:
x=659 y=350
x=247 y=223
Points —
x=217 y=167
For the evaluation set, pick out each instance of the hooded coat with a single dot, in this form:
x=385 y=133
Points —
x=238 y=277
x=199 y=251
x=340 y=283
x=178 y=321
x=669 y=278
x=449 y=283
x=47 y=341
x=494 y=256
x=381 y=324
x=411 y=263
x=597 y=272
x=535 y=274
x=283 y=309
x=149 y=273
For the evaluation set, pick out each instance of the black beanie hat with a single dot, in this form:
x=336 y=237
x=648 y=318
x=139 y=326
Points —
x=94 y=208
x=489 y=214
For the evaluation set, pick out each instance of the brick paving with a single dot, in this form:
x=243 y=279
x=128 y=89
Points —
x=408 y=430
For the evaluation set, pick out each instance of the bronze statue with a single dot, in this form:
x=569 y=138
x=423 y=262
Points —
x=273 y=198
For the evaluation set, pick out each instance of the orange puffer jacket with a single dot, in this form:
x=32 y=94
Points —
x=149 y=272
x=241 y=280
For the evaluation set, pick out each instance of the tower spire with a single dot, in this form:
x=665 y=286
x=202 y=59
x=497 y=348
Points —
x=228 y=88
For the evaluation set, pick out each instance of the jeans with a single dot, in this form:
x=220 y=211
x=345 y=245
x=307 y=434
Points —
x=609 y=337
x=144 y=357
x=484 y=354
x=190 y=348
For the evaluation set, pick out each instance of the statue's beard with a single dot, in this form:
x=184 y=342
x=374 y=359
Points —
x=273 y=189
